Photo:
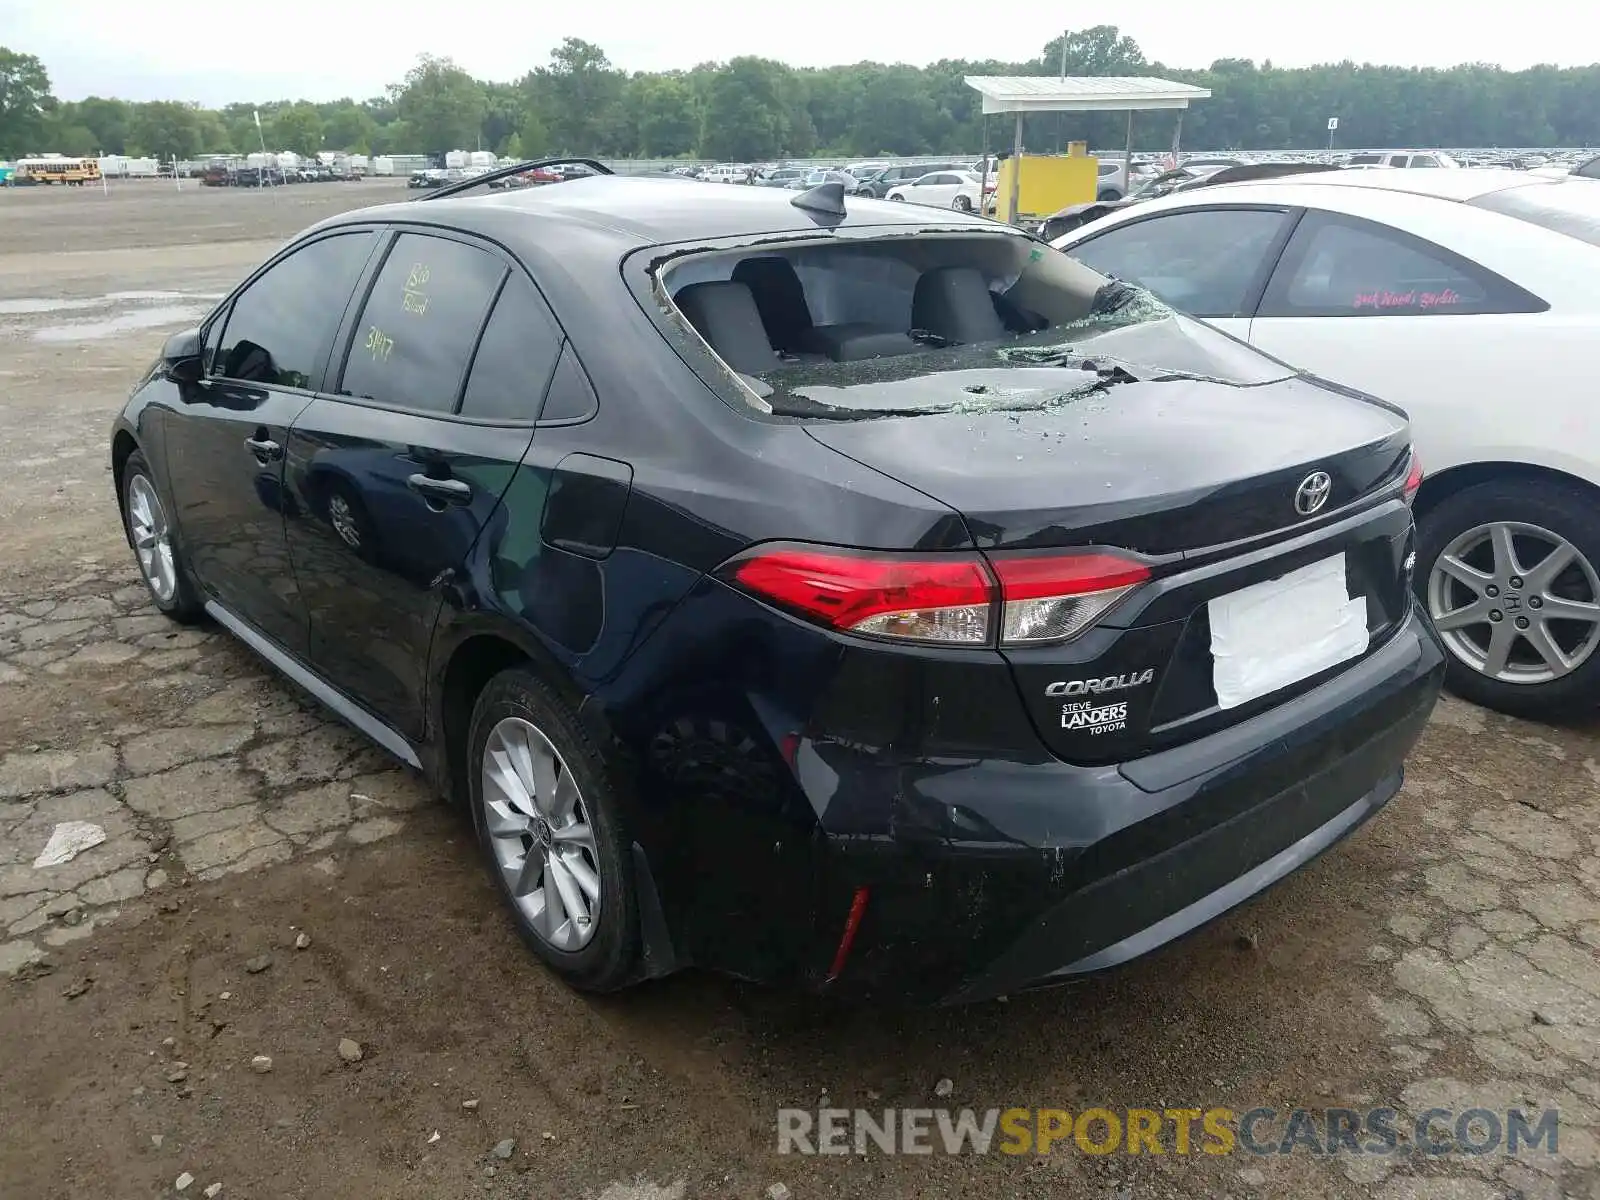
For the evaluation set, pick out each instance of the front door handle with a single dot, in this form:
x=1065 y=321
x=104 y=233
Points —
x=265 y=449
x=440 y=491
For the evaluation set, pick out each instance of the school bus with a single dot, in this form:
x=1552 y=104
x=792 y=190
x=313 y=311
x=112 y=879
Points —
x=70 y=171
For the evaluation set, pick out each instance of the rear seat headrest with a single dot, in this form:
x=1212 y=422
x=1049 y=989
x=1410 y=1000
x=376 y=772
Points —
x=954 y=302
x=725 y=313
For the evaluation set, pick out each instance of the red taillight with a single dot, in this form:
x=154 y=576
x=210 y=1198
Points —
x=1050 y=598
x=951 y=599
x=925 y=599
x=1413 y=478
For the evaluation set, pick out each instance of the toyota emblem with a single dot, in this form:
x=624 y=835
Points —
x=1312 y=493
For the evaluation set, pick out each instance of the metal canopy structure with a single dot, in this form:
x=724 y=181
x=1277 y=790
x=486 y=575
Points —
x=1043 y=93
x=1023 y=94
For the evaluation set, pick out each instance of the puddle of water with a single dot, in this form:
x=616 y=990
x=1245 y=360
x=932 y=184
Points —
x=129 y=322
x=150 y=297
x=34 y=305
x=24 y=308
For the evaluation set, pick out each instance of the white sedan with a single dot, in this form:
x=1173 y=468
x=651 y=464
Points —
x=942 y=189
x=1471 y=298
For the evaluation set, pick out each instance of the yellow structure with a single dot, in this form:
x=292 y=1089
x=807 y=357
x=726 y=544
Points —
x=1048 y=183
x=1073 y=178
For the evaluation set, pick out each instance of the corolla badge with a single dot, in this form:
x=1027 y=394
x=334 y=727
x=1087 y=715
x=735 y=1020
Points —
x=1312 y=493
x=1094 y=687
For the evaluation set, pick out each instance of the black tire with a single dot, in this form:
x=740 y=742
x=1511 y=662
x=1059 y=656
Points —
x=962 y=204
x=184 y=605
x=1564 y=510
x=1109 y=194
x=610 y=960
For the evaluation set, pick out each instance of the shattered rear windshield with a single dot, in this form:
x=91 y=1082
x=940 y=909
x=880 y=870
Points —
x=930 y=323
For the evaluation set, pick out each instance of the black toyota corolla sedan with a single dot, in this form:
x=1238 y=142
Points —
x=837 y=593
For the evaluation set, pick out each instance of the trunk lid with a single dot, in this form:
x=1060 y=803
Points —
x=1197 y=475
x=1158 y=467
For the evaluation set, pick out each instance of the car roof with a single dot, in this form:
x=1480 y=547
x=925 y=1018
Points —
x=655 y=211
x=1462 y=185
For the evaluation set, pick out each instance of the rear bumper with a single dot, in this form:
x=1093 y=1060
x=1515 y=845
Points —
x=994 y=877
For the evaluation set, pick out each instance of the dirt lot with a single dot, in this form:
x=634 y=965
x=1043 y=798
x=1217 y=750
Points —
x=1448 y=956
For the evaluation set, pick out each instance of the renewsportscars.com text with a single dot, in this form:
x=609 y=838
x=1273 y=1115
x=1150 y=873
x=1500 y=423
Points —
x=1176 y=1131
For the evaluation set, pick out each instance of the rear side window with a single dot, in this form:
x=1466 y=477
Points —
x=280 y=327
x=1206 y=262
x=515 y=357
x=415 y=335
x=1342 y=266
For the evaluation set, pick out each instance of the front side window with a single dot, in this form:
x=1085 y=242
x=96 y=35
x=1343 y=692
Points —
x=420 y=322
x=1344 y=266
x=1207 y=262
x=280 y=327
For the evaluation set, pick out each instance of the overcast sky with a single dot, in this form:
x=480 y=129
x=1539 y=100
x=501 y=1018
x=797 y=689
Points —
x=214 y=52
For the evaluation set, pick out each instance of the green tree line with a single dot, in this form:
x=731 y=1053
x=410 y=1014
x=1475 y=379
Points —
x=750 y=109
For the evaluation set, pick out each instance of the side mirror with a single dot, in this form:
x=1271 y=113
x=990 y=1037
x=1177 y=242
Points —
x=181 y=356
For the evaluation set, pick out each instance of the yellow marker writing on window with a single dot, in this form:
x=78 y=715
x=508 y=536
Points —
x=415 y=302
x=419 y=276
x=379 y=345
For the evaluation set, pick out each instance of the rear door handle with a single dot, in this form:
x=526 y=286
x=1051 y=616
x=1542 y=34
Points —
x=265 y=449
x=444 y=491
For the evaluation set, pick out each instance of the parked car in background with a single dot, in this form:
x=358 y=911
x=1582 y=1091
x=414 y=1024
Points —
x=1472 y=299
x=857 y=597
x=811 y=179
x=1165 y=184
x=943 y=189
x=878 y=183
x=1111 y=185
x=1405 y=159
x=781 y=177
x=726 y=173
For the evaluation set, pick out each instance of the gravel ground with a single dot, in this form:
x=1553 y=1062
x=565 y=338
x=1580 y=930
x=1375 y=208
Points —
x=270 y=885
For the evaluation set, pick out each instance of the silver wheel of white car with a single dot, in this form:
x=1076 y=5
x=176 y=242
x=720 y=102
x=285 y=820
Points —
x=1507 y=572
x=1516 y=602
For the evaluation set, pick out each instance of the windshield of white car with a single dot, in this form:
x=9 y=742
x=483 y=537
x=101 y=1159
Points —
x=1570 y=206
x=861 y=328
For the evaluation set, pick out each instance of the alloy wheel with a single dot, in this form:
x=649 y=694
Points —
x=152 y=539
x=1516 y=602
x=540 y=834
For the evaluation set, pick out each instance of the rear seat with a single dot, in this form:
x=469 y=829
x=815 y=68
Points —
x=781 y=300
x=725 y=314
x=955 y=303
x=762 y=312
